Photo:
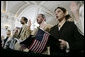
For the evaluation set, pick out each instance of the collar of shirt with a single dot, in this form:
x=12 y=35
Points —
x=42 y=26
x=61 y=23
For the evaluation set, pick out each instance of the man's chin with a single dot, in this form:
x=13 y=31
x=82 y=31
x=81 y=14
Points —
x=59 y=20
x=22 y=23
x=39 y=22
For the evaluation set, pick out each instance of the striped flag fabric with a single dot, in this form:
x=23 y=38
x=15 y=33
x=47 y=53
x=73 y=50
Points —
x=39 y=42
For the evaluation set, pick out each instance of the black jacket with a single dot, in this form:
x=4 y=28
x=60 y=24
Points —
x=69 y=33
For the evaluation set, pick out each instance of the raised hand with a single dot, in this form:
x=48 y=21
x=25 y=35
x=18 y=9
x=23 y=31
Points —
x=29 y=23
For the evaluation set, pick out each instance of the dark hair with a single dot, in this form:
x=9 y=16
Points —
x=43 y=16
x=64 y=11
x=67 y=16
x=25 y=19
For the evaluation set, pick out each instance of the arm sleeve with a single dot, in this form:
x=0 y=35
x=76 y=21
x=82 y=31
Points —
x=78 y=43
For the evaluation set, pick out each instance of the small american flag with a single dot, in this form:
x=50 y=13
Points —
x=40 y=41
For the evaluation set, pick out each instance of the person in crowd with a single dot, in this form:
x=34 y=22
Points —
x=41 y=20
x=70 y=40
x=14 y=38
x=6 y=40
x=24 y=32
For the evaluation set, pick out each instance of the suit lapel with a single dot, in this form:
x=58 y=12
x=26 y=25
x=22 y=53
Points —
x=63 y=26
x=56 y=31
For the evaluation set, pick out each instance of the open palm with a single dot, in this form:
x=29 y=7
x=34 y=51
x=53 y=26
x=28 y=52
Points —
x=29 y=23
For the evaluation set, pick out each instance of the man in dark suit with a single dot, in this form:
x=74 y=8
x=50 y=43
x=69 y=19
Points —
x=71 y=41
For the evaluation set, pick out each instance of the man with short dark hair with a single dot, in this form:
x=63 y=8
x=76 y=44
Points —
x=24 y=32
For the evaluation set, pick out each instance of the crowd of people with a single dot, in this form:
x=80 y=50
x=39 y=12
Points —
x=64 y=38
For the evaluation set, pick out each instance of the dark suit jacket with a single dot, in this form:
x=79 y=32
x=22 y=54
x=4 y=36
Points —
x=69 y=33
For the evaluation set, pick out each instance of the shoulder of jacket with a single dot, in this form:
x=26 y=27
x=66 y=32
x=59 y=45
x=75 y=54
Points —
x=49 y=26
